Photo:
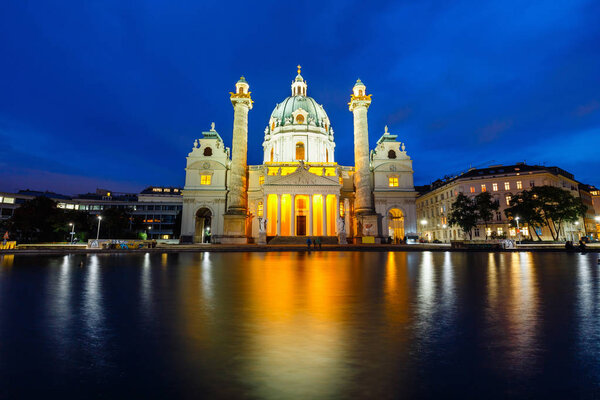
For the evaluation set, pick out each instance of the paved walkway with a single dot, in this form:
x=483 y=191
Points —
x=176 y=248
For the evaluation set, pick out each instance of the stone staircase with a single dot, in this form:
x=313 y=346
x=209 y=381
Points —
x=301 y=240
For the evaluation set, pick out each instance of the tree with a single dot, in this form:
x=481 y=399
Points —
x=37 y=220
x=486 y=207
x=557 y=206
x=118 y=223
x=464 y=214
x=525 y=206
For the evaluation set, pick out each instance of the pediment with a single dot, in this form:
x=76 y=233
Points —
x=301 y=177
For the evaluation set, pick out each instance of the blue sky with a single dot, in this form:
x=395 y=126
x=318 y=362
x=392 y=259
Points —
x=112 y=94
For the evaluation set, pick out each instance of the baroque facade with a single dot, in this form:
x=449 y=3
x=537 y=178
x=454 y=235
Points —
x=299 y=190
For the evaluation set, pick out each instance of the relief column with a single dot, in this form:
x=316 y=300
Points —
x=366 y=218
x=236 y=214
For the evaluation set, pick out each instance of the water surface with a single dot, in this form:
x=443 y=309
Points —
x=324 y=325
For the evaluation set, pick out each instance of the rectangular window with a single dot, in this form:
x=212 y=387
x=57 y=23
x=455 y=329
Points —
x=393 y=182
x=531 y=183
x=472 y=189
x=500 y=231
x=259 y=210
x=488 y=231
x=261 y=180
x=506 y=185
x=483 y=189
x=524 y=231
x=498 y=216
x=495 y=187
x=9 y=200
x=508 y=200
x=476 y=232
x=205 y=179
x=519 y=185
x=341 y=208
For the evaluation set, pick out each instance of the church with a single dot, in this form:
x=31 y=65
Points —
x=299 y=190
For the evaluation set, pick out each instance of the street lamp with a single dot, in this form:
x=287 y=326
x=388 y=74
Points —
x=518 y=230
x=98 y=233
x=423 y=223
x=149 y=234
x=72 y=225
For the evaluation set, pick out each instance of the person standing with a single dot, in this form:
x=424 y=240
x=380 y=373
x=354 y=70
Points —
x=308 y=243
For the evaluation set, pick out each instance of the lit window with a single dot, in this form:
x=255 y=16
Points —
x=506 y=185
x=488 y=231
x=299 y=150
x=261 y=180
x=299 y=119
x=500 y=231
x=495 y=187
x=483 y=189
x=525 y=231
x=519 y=185
x=9 y=200
x=393 y=182
x=205 y=179
x=259 y=210
x=341 y=180
x=508 y=200
x=472 y=189
x=512 y=232
x=341 y=209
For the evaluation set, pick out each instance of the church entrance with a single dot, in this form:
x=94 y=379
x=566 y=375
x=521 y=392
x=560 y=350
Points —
x=301 y=225
x=202 y=232
x=396 y=225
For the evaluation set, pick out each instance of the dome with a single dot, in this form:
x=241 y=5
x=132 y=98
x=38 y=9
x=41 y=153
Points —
x=284 y=111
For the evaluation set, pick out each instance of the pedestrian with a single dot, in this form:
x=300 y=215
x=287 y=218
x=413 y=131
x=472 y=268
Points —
x=5 y=239
x=315 y=243
x=308 y=243
x=319 y=242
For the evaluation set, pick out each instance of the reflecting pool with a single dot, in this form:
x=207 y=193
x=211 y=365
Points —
x=320 y=325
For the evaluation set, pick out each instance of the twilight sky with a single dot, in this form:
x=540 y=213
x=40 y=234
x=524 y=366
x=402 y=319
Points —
x=113 y=93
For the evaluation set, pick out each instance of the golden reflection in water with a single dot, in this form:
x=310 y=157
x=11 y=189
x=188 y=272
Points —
x=7 y=260
x=164 y=258
x=297 y=318
x=397 y=289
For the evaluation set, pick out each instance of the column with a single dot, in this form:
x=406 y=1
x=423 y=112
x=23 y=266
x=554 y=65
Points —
x=359 y=104
x=309 y=231
x=324 y=214
x=278 y=215
x=293 y=216
x=347 y=216
x=242 y=103
x=336 y=212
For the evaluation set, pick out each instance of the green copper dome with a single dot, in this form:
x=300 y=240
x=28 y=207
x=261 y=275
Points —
x=285 y=109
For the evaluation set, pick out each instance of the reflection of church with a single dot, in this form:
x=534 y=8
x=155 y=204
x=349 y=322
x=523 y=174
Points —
x=299 y=190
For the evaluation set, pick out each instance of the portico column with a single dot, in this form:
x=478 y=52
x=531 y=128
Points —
x=347 y=215
x=324 y=214
x=336 y=212
x=310 y=216
x=265 y=212
x=278 y=215
x=293 y=216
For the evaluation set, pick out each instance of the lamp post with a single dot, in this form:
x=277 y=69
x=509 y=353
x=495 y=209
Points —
x=72 y=225
x=518 y=230
x=444 y=226
x=98 y=232
x=577 y=230
x=423 y=223
x=149 y=234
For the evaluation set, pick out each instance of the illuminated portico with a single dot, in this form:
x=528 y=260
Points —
x=301 y=203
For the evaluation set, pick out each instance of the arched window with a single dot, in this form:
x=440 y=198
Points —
x=391 y=154
x=272 y=125
x=299 y=119
x=241 y=90
x=272 y=154
x=360 y=93
x=299 y=151
x=207 y=151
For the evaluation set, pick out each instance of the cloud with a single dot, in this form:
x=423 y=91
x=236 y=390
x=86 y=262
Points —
x=586 y=109
x=491 y=131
